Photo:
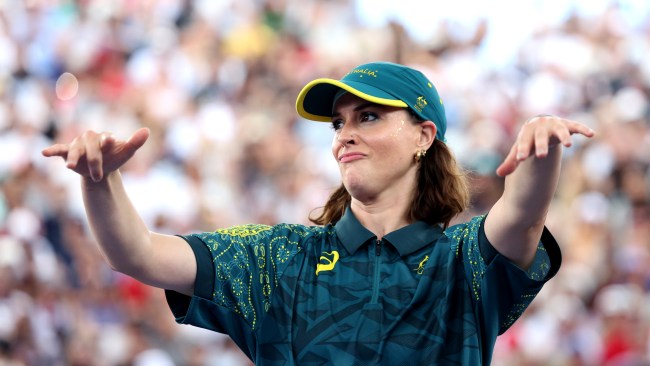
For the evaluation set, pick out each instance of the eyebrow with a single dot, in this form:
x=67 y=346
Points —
x=358 y=108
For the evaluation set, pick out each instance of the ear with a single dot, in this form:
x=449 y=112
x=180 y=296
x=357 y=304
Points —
x=427 y=134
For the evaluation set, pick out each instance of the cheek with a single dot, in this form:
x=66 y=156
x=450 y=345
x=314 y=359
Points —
x=398 y=131
x=390 y=150
x=398 y=145
x=335 y=148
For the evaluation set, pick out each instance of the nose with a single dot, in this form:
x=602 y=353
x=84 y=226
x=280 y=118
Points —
x=346 y=135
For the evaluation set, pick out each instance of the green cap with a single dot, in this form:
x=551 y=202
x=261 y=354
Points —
x=383 y=83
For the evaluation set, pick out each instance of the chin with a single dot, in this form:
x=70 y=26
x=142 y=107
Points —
x=353 y=181
x=357 y=188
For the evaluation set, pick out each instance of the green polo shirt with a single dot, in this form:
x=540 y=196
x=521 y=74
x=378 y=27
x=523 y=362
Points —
x=335 y=295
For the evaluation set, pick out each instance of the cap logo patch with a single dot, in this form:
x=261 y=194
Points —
x=420 y=103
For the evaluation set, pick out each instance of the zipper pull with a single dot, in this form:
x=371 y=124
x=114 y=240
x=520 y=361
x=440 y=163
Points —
x=378 y=247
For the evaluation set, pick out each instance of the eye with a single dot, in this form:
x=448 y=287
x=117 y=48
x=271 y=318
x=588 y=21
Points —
x=337 y=124
x=368 y=116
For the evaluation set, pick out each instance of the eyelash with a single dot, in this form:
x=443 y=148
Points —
x=338 y=123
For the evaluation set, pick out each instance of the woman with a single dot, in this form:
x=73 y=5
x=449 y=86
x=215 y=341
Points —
x=383 y=279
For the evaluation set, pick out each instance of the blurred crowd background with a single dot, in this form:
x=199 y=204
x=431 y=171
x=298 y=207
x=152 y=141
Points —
x=216 y=83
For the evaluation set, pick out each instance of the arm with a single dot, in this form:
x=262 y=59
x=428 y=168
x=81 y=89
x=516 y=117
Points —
x=129 y=247
x=515 y=223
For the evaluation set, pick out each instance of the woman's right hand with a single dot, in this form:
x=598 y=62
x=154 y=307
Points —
x=95 y=154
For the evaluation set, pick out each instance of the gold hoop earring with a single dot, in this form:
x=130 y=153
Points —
x=419 y=155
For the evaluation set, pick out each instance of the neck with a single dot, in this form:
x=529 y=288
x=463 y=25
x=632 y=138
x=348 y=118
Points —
x=381 y=218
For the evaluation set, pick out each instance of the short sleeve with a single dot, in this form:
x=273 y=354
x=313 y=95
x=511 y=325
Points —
x=501 y=290
x=238 y=269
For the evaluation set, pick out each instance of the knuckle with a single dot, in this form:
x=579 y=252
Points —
x=73 y=151
x=93 y=160
x=89 y=135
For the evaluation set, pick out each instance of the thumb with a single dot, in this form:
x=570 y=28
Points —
x=138 y=139
x=506 y=168
x=509 y=164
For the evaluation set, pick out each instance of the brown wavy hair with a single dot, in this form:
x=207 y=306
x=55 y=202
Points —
x=442 y=191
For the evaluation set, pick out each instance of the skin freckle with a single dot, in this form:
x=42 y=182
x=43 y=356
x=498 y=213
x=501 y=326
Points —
x=398 y=130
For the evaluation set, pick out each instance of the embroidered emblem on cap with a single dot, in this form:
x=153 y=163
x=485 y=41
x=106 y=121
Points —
x=420 y=103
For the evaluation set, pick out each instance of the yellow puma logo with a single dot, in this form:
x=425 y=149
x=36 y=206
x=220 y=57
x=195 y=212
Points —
x=420 y=268
x=330 y=263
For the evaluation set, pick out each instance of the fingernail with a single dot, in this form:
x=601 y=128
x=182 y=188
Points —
x=520 y=156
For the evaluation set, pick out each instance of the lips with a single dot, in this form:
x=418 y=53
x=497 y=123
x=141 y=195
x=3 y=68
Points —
x=352 y=156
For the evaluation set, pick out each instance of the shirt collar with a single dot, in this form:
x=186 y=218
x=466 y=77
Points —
x=406 y=240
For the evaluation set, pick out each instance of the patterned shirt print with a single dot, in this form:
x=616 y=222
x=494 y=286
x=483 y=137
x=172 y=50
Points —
x=310 y=295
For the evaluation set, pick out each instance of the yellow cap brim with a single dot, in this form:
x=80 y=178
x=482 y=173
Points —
x=315 y=100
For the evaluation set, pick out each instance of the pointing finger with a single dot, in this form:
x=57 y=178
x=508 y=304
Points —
x=581 y=129
x=55 y=150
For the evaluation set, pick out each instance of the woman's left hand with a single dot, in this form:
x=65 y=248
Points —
x=537 y=136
